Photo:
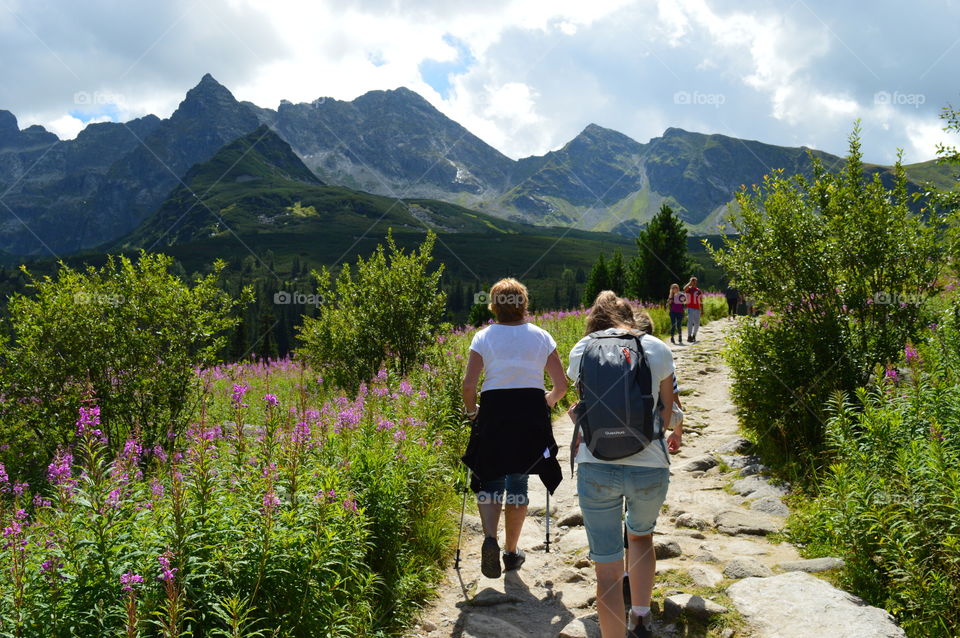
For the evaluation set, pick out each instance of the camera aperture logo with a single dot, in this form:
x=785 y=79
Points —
x=884 y=298
x=284 y=298
x=485 y=298
x=696 y=98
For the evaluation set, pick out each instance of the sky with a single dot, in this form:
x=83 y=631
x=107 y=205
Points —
x=524 y=75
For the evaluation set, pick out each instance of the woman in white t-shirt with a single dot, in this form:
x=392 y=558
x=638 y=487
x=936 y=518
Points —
x=640 y=481
x=512 y=434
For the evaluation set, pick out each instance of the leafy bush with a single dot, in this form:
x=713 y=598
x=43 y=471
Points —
x=889 y=503
x=128 y=333
x=843 y=269
x=386 y=310
x=283 y=519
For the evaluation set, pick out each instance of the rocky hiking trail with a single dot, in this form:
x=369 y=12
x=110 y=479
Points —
x=719 y=555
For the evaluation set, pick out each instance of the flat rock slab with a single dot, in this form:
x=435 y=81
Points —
x=735 y=522
x=487 y=626
x=812 y=565
x=692 y=606
x=691 y=521
x=798 y=605
x=738 y=445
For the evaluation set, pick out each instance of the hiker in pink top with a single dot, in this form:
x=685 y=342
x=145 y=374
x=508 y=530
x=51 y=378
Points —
x=694 y=306
x=677 y=301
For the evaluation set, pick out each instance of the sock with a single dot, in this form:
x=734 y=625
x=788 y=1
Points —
x=639 y=611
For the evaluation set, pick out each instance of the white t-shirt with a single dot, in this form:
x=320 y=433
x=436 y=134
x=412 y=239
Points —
x=513 y=356
x=660 y=361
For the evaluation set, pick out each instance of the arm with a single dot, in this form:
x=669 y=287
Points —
x=558 y=377
x=470 y=379
x=667 y=397
x=676 y=397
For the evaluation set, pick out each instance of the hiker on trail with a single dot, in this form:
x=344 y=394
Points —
x=677 y=301
x=694 y=305
x=635 y=467
x=733 y=300
x=511 y=435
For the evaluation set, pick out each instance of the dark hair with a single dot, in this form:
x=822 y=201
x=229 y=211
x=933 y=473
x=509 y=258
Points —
x=610 y=311
x=644 y=322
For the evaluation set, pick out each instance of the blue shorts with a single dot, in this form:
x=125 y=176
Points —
x=515 y=485
x=603 y=488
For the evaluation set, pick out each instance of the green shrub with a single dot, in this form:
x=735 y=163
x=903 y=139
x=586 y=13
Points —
x=386 y=310
x=129 y=334
x=889 y=503
x=843 y=270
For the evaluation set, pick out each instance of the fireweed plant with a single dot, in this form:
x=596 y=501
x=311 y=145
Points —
x=286 y=508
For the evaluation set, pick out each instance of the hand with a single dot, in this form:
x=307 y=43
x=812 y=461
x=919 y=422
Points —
x=675 y=441
x=476 y=411
x=551 y=399
x=571 y=409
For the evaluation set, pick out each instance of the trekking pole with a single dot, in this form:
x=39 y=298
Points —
x=463 y=508
x=547 y=543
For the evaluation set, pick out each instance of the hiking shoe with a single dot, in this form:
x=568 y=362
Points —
x=640 y=627
x=671 y=339
x=513 y=560
x=490 y=558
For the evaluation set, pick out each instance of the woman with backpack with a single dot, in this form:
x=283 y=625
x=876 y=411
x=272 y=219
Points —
x=637 y=474
x=677 y=301
x=512 y=433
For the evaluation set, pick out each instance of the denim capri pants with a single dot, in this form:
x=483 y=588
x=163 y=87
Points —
x=603 y=488
x=515 y=486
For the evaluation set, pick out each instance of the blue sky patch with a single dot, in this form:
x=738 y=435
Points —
x=437 y=74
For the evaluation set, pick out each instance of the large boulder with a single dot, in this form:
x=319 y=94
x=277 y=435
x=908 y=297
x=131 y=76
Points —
x=798 y=605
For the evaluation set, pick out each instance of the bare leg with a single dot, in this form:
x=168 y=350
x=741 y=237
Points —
x=514 y=517
x=610 y=599
x=490 y=517
x=642 y=568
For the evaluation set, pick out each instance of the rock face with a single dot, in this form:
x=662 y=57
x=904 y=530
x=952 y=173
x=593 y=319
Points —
x=798 y=605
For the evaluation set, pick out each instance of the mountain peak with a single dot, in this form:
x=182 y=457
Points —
x=208 y=99
x=8 y=127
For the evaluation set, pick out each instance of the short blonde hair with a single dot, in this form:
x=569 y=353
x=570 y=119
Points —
x=508 y=300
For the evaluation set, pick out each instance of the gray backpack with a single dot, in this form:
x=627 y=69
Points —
x=616 y=408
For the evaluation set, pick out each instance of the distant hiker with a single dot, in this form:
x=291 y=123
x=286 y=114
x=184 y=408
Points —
x=733 y=300
x=677 y=301
x=694 y=304
x=639 y=478
x=512 y=434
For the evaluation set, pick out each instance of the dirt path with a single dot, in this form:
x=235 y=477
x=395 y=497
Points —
x=710 y=528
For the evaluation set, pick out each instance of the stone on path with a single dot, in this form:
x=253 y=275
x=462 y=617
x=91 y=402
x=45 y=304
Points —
x=745 y=567
x=573 y=540
x=692 y=606
x=812 y=565
x=490 y=597
x=735 y=522
x=665 y=547
x=487 y=626
x=572 y=519
x=700 y=463
x=738 y=445
x=752 y=485
x=577 y=597
x=704 y=576
x=770 y=505
x=798 y=605
x=692 y=521
x=583 y=627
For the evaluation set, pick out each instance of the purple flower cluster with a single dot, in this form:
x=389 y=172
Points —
x=128 y=580
x=166 y=571
x=88 y=424
x=236 y=398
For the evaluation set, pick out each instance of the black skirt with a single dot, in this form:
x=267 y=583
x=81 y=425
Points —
x=509 y=436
